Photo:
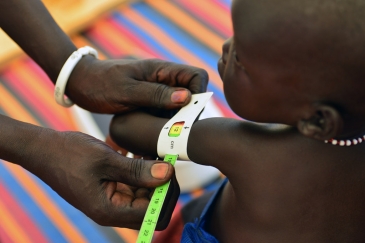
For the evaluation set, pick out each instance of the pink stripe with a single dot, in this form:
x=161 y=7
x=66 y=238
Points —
x=222 y=6
x=106 y=45
x=43 y=77
x=134 y=38
x=16 y=83
x=21 y=217
x=4 y=237
x=204 y=16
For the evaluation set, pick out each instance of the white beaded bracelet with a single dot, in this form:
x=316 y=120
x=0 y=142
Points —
x=59 y=92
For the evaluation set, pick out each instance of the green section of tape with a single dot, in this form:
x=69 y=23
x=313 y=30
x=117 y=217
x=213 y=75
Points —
x=154 y=208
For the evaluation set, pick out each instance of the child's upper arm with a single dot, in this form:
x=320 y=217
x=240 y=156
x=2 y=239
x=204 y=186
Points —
x=230 y=145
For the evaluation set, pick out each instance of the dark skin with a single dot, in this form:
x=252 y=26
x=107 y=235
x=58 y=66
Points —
x=285 y=183
x=109 y=188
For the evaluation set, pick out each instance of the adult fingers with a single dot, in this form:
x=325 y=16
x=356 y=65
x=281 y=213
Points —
x=156 y=83
x=125 y=206
x=172 y=74
x=138 y=172
x=152 y=94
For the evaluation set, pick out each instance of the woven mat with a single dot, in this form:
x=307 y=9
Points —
x=183 y=31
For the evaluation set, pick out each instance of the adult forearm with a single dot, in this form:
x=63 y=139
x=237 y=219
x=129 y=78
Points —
x=21 y=142
x=31 y=26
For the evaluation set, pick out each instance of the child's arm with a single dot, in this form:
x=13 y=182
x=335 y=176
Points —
x=220 y=142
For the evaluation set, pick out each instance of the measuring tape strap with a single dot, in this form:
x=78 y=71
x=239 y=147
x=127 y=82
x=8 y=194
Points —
x=174 y=135
x=152 y=215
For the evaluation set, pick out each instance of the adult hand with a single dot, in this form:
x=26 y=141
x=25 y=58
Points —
x=114 y=86
x=110 y=86
x=92 y=177
x=172 y=195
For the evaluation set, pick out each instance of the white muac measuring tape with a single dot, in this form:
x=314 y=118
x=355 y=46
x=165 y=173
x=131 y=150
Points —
x=172 y=145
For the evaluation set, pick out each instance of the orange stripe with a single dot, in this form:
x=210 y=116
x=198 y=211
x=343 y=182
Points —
x=11 y=227
x=197 y=193
x=190 y=25
x=160 y=36
x=65 y=226
x=128 y=235
x=13 y=108
x=31 y=81
x=80 y=41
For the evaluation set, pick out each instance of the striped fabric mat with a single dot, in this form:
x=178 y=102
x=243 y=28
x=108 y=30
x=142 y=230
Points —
x=183 y=31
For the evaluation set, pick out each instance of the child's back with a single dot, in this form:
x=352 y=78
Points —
x=300 y=63
x=291 y=190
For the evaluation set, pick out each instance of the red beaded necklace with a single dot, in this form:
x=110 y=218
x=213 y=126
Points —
x=347 y=142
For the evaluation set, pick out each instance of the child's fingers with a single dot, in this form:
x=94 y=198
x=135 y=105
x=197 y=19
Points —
x=115 y=146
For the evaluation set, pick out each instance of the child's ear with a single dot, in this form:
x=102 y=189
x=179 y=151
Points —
x=324 y=123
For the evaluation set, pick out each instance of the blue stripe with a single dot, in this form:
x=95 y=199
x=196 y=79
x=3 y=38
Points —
x=145 y=37
x=26 y=202
x=226 y=2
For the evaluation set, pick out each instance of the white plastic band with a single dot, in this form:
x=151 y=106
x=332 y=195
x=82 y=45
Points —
x=178 y=145
x=59 y=92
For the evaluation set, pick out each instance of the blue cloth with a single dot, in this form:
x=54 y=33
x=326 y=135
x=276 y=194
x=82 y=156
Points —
x=195 y=232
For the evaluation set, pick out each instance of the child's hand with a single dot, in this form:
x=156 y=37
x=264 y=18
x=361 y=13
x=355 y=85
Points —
x=137 y=132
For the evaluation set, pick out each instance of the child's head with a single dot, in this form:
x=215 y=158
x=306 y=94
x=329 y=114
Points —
x=300 y=63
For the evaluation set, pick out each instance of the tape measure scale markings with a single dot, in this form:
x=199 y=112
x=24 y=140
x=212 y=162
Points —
x=154 y=208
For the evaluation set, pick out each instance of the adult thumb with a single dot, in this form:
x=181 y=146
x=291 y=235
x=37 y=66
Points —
x=140 y=173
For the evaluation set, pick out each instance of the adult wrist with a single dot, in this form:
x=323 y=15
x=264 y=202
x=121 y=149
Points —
x=78 y=82
x=21 y=143
x=66 y=71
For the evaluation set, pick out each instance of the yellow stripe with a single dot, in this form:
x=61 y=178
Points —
x=11 y=227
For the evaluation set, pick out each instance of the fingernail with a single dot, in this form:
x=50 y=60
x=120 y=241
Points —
x=159 y=170
x=179 y=96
